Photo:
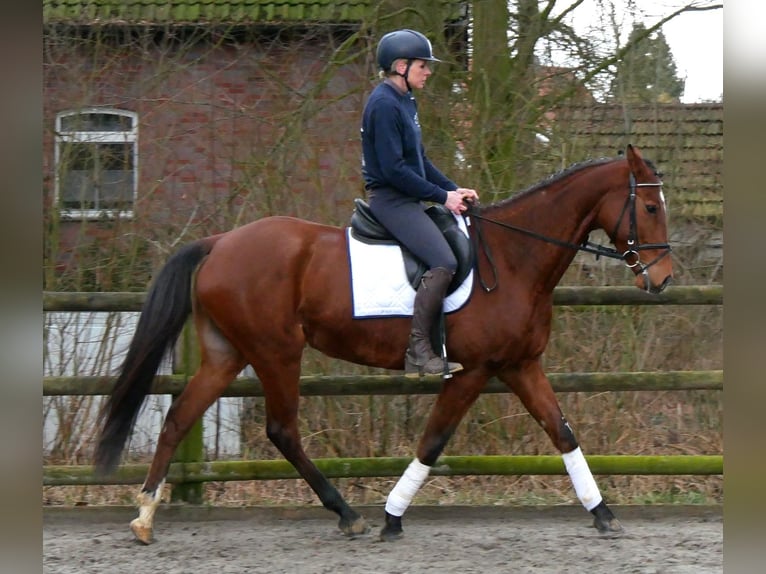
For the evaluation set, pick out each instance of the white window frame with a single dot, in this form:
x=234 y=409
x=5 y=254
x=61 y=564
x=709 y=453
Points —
x=124 y=136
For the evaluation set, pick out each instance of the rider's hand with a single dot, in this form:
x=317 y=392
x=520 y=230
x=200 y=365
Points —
x=456 y=200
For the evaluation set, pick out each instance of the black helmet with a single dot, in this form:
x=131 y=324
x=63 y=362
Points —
x=405 y=44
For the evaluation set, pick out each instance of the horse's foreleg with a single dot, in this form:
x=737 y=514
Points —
x=454 y=400
x=202 y=390
x=281 y=394
x=535 y=392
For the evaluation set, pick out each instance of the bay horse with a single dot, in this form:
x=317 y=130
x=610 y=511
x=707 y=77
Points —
x=260 y=293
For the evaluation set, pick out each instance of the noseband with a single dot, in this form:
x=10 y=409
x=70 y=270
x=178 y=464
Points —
x=630 y=257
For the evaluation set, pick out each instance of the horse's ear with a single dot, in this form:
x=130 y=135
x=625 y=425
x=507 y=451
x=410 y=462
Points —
x=634 y=158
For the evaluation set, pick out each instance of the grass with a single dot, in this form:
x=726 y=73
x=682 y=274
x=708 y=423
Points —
x=438 y=490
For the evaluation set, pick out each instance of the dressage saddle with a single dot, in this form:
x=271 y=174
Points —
x=367 y=229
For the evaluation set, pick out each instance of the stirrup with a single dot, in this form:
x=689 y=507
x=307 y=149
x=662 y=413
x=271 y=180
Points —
x=433 y=366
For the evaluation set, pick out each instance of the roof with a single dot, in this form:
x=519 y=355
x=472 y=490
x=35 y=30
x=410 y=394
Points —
x=685 y=141
x=147 y=12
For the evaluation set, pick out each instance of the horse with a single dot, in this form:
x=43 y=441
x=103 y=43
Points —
x=258 y=294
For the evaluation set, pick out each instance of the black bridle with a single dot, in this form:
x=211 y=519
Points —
x=630 y=256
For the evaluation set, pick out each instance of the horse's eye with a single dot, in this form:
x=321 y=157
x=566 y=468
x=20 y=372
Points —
x=651 y=208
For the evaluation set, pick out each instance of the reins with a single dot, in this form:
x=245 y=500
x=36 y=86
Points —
x=586 y=246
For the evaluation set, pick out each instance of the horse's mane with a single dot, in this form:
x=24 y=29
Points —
x=559 y=175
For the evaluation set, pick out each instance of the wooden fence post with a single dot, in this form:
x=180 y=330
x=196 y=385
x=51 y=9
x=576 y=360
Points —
x=192 y=448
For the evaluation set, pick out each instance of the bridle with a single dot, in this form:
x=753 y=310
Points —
x=629 y=256
x=633 y=245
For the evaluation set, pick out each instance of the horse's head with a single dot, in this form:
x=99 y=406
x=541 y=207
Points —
x=634 y=215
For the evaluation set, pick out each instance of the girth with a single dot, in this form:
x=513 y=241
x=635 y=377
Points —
x=367 y=229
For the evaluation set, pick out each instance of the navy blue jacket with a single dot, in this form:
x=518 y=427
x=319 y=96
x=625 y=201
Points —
x=392 y=150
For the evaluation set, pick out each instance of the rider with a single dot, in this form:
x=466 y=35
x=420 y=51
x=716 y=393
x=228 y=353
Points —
x=399 y=178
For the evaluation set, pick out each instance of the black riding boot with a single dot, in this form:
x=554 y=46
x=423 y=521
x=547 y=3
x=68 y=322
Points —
x=420 y=358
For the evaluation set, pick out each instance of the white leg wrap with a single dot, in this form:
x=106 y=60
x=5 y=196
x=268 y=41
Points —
x=582 y=479
x=404 y=491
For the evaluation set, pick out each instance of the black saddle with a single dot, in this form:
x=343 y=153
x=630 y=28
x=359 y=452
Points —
x=367 y=229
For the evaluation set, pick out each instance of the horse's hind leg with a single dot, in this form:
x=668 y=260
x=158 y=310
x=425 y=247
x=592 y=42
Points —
x=220 y=364
x=534 y=390
x=280 y=378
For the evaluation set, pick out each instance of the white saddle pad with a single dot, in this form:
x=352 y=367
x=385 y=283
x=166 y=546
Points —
x=379 y=285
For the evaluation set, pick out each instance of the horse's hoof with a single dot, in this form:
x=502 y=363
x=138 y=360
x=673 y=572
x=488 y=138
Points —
x=609 y=527
x=605 y=522
x=388 y=534
x=355 y=527
x=143 y=534
x=393 y=529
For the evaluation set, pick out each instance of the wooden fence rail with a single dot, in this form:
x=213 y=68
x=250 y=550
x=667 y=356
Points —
x=190 y=473
x=623 y=295
x=347 y=385
x=198 y=472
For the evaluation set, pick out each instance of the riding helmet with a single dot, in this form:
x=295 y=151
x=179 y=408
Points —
x=406 y=44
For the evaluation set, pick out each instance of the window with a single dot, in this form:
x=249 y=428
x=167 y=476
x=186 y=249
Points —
x=96 y=163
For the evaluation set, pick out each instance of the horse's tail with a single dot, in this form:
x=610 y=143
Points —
x=163 y=315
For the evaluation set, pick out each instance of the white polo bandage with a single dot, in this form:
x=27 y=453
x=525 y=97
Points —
x=582 y=479
x=409 y=484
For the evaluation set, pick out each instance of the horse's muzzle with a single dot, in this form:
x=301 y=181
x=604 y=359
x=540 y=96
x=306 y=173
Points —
x=644 y=283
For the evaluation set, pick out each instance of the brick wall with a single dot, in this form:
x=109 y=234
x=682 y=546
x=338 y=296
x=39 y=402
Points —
x=223 y=128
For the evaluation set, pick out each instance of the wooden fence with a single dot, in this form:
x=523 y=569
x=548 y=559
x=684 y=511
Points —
x=189 y=470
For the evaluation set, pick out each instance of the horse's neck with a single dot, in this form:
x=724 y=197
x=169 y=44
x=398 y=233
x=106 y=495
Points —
x=564 y=213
